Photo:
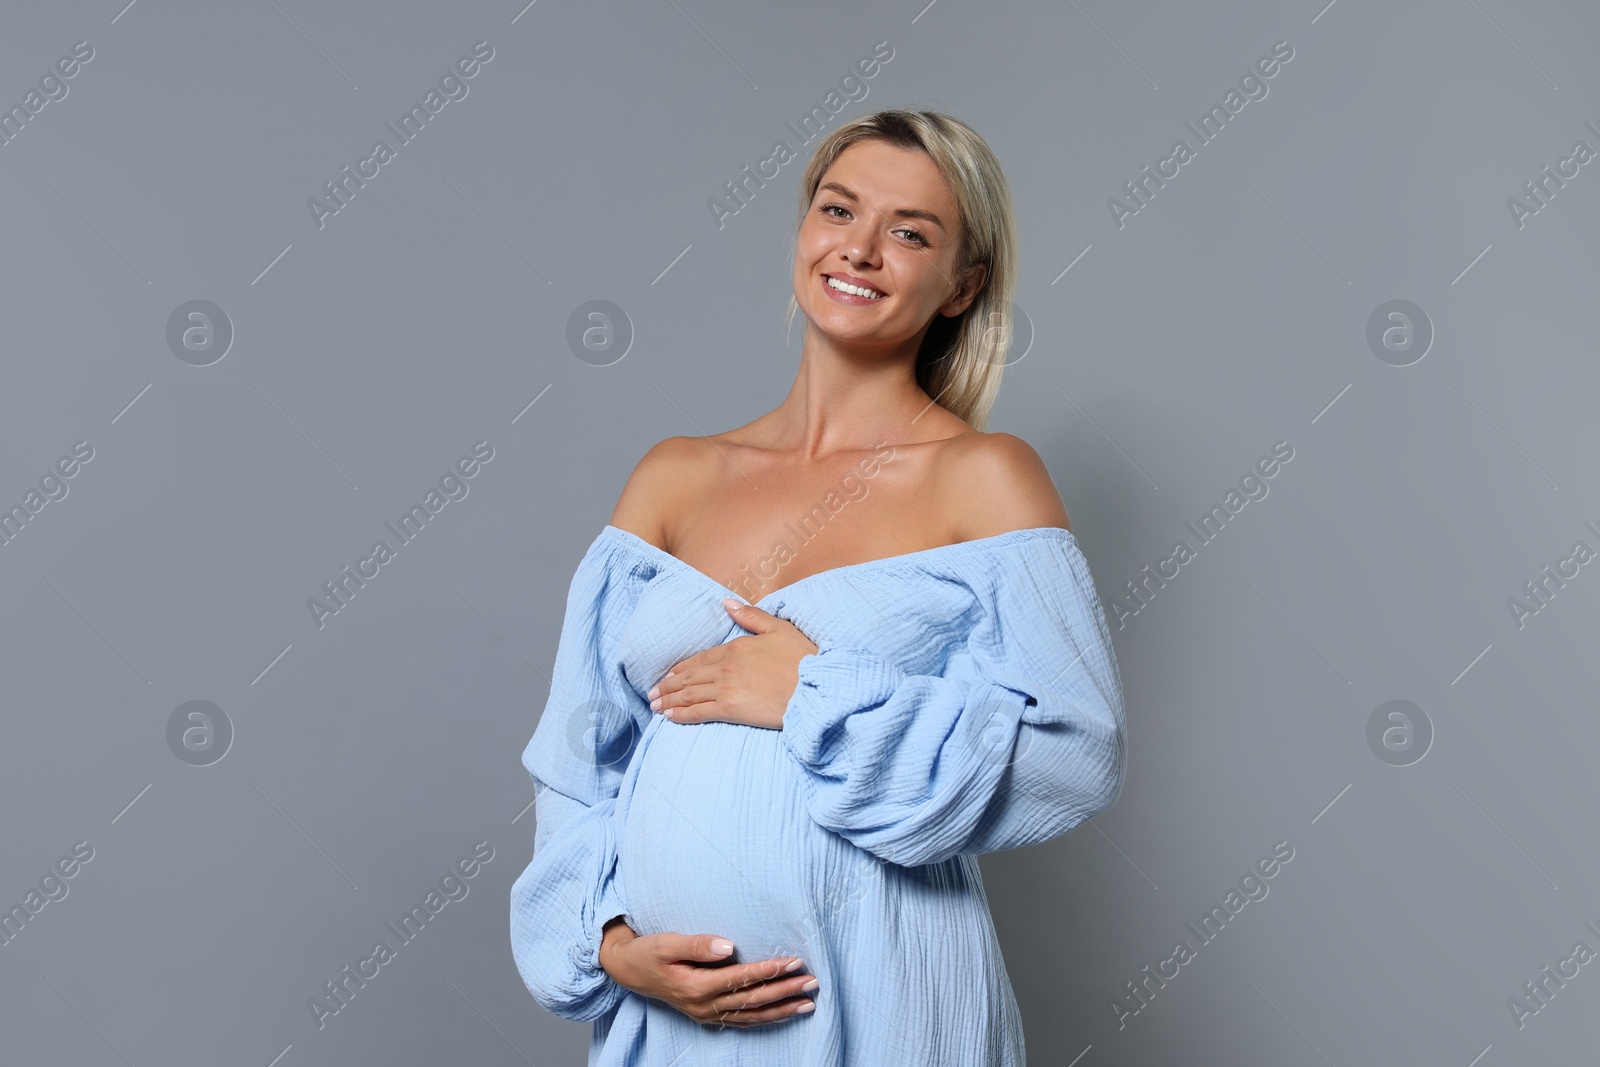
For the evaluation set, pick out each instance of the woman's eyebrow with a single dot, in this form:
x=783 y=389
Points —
x=902 y=213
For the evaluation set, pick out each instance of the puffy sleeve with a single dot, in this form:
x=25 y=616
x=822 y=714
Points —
x=579 y=751
x=1021 y=738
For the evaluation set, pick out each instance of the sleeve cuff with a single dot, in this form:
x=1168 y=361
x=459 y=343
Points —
x=608 y=904
x=833 y=683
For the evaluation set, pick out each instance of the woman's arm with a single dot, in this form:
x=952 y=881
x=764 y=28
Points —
x=569 y=935
x=577 y=757
x=561 y=903
x=584 y=740
x=1022 y=738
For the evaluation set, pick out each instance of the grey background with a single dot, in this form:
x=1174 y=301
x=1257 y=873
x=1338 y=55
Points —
x=1230 y=313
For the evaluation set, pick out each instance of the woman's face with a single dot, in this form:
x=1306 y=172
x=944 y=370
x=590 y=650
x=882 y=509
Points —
x=883 y=219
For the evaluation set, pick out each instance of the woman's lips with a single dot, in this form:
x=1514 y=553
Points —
x=849 y=298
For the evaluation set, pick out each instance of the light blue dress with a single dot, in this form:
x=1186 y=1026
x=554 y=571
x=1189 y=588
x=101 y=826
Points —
x=963 y=699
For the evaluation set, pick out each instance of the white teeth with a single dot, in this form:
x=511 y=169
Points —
x=871 y=294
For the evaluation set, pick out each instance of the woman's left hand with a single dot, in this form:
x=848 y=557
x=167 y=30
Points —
x=747 y=680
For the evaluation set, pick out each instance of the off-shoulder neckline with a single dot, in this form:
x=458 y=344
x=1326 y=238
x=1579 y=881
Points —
x=992 y=541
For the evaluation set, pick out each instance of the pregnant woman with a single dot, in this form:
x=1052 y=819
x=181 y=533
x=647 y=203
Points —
x=814 y=666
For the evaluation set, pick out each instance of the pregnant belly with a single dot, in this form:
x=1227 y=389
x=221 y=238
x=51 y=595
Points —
x=714 y=839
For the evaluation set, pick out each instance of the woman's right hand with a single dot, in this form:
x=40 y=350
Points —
x=671 y=968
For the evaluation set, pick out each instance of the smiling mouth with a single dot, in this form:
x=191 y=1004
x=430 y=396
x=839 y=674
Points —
x=852 y=290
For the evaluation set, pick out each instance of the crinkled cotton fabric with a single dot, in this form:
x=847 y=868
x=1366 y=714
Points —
x=962 y=699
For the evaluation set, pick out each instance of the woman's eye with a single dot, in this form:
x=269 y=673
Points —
x=910 y=234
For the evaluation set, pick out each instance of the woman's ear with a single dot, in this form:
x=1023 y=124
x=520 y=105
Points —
x=967 y=292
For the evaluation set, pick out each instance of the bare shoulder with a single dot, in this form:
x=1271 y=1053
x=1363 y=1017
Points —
x=993 y=483
x=668 y=464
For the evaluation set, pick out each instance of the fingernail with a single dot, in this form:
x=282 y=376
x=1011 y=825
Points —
x=721 y=946
x=791 y=965
x=655 y=691
x=731 y=604
x=805 y=1006
x=809 y=986
x=655 y=701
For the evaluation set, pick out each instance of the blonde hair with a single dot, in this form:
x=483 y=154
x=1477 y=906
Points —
x=961 y=359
